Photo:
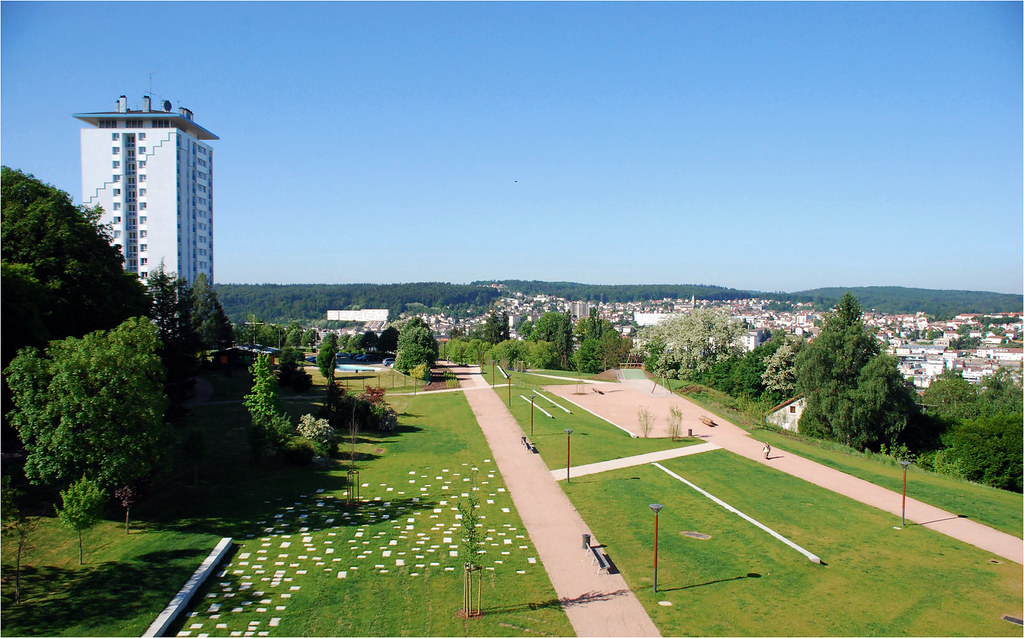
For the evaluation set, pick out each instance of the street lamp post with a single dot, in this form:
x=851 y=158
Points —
x=509 y=390
x=532 y=397
x=903 y=518
x=568 y=448
x=656 y=507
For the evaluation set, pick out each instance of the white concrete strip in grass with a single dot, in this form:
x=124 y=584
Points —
x=557 y=405
x=732 y=509
x=527 y=399
x=600 y=417
x=631 y=461
x=181 y=600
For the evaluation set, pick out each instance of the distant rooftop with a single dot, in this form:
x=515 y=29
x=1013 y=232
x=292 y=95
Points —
x=181 y=120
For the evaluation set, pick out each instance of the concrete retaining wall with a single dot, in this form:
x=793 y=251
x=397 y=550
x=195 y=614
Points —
x=181 y=600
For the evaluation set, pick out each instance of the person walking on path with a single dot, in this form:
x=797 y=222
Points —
x=767 y=451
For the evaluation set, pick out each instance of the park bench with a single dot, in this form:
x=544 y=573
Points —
x=707 y=421
x=597 y=391
x=603 y=564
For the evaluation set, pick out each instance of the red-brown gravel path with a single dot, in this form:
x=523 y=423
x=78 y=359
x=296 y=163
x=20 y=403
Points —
x=596 y=604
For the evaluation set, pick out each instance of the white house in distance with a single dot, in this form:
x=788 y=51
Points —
x=787 y=414
x=151 y=171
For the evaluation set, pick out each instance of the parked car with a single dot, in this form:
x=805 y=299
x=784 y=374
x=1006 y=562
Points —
x=389 y=362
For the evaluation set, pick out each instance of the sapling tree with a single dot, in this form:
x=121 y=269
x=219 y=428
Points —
x=18 y=525
x=127 y=496
x=675 y=421
x=83 y=505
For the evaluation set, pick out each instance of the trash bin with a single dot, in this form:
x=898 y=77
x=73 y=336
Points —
x=586 y=541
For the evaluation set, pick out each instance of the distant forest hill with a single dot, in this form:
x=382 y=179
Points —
x=309 y=303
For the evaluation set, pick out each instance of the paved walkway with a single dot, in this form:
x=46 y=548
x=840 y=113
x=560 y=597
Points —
x=619 y=403
x=596 y=604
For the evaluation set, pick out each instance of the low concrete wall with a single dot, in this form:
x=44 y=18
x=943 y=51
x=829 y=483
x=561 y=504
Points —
x=181 y=600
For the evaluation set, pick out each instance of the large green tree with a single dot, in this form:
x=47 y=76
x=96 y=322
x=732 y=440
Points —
x=61 y=276
x=555 y=328
x=179 y=341
x=326 y=357
x=211 y=324
x=92 y=407
x=853 y=395
x=416 y=346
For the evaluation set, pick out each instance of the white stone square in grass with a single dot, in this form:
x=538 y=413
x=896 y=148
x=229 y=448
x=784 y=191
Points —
x=342 y=574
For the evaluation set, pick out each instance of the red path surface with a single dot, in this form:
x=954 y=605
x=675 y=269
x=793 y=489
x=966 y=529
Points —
x=620 y=401
x=596 y=604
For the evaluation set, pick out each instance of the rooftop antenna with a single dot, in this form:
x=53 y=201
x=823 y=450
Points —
x=151 y=83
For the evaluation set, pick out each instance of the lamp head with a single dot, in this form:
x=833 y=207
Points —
x=657 y=507
x=568 y=430
x=904 y=464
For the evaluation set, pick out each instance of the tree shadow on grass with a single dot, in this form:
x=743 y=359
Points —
x=710 y=582
x=55 y=599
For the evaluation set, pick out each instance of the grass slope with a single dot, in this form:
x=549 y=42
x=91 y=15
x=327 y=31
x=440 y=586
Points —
x=741 y=581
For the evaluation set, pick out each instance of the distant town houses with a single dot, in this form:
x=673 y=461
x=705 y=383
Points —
x=924 y=347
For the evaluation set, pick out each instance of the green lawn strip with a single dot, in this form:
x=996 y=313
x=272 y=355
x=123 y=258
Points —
x=996 y=508
x=529 y=380
x=875 y=580
x=125 y=581
x=304 y=540
x=593 y=438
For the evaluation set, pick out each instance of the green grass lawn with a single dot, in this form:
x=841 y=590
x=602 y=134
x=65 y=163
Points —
x=386 y=567
x=875 y=580
x=996 y=508
x=127 y=580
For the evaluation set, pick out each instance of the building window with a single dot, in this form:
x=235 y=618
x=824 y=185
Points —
x=143 y=261
x=133 y=123
x=142 y=219
x=142 y=192
x=142 y=178
x=116 y=164
x=142 y=149
x=143 y=233
x=117 y=191
x=142 y=136
x=116 y=150
x=142 y=164
x=117 y=178
x=117 y=234
x=117 y=206
x=143 y=275
x=142 y=206
x=792 y=409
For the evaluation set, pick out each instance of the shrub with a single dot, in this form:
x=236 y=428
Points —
x=299 y=450
x=318 y=431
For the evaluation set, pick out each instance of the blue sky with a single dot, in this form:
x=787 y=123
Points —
x=775 y=146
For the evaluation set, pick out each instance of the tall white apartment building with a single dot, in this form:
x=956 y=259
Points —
x=151 y=171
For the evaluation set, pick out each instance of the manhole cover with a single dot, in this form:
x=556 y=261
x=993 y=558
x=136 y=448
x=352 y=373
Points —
x=697 y=535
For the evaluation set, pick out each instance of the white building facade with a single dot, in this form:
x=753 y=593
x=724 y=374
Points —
x=151 y=171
